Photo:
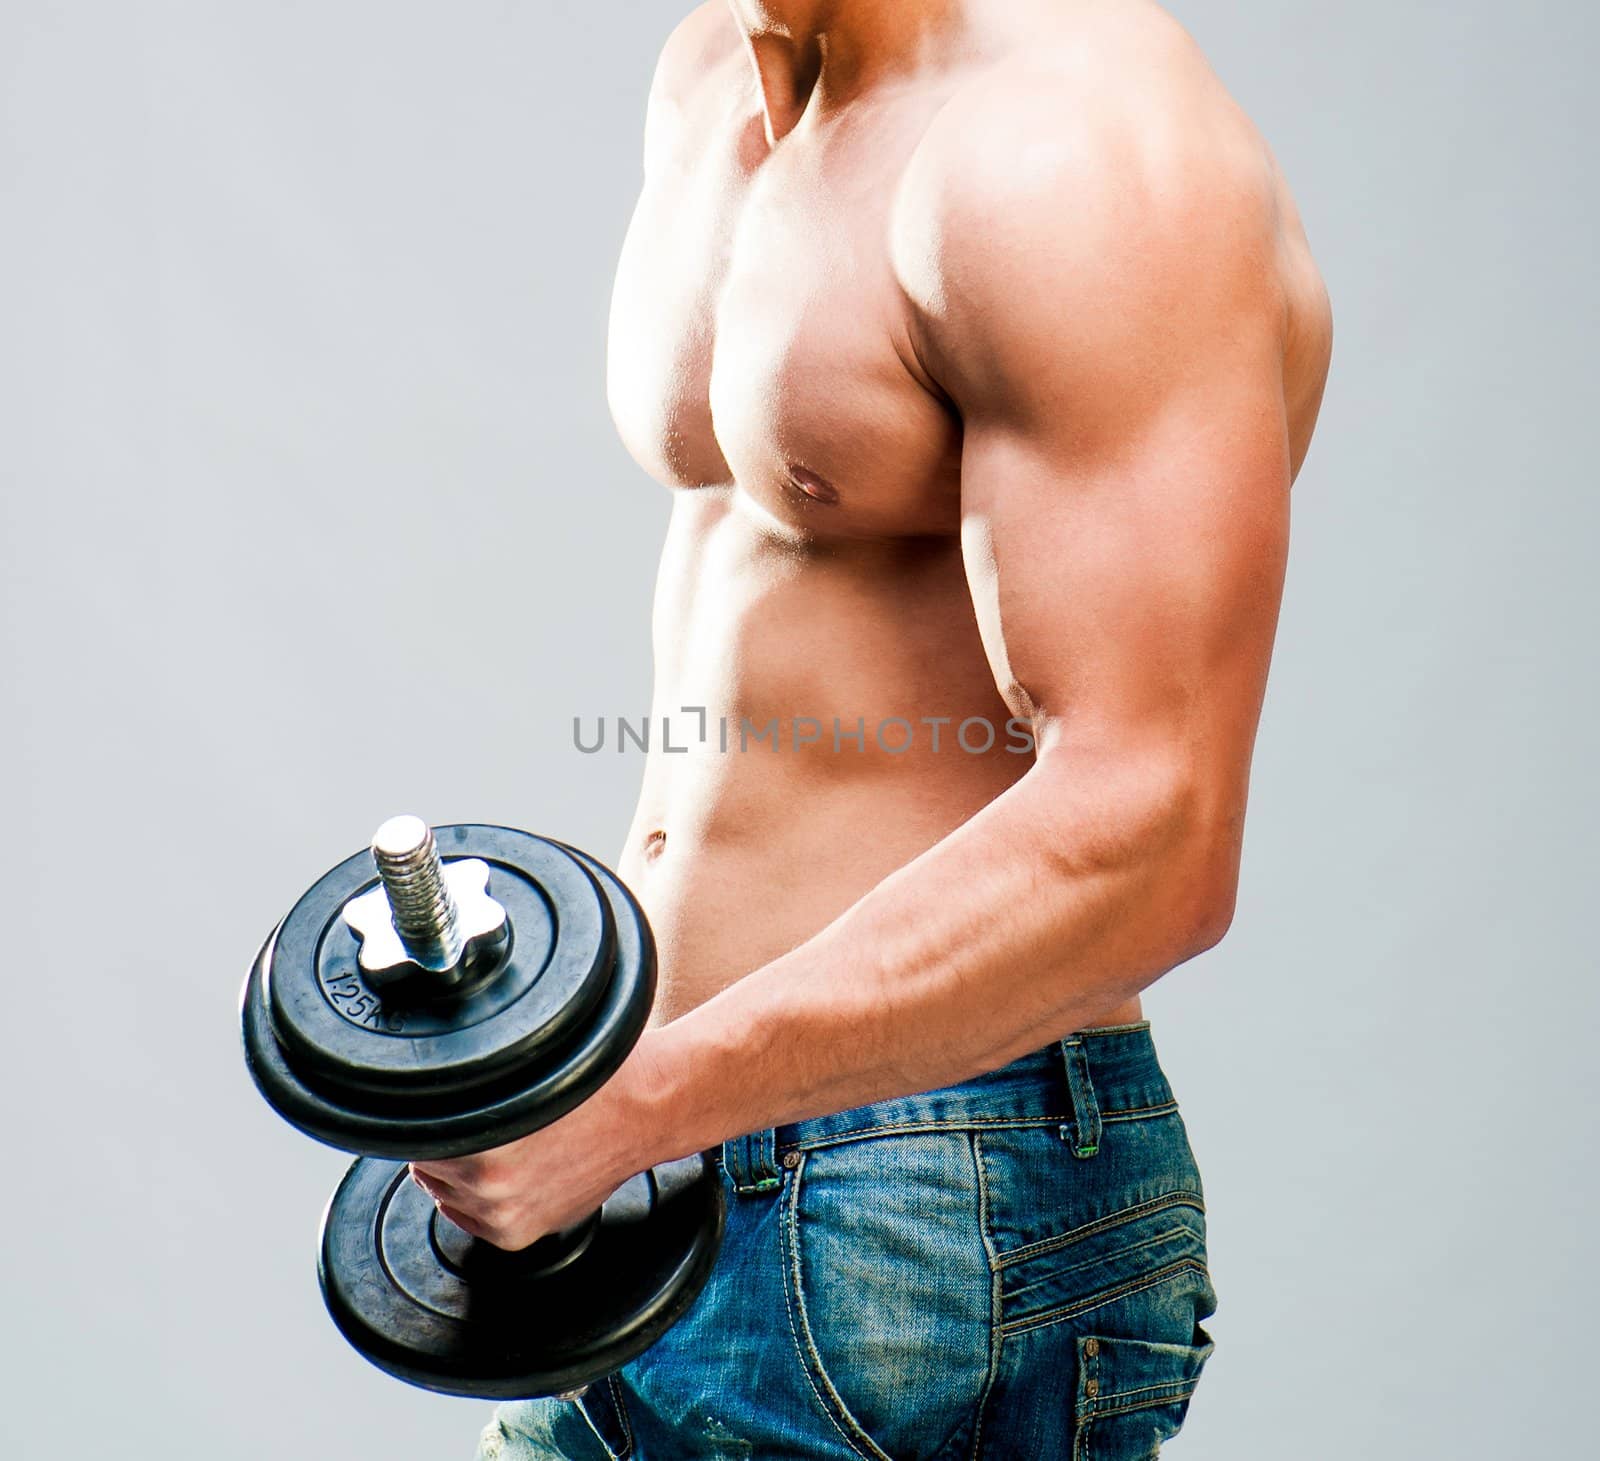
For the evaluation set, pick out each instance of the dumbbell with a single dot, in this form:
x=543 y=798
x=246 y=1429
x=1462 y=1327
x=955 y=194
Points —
x=445 y=992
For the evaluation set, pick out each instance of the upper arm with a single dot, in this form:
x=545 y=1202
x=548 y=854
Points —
x=1101 y=306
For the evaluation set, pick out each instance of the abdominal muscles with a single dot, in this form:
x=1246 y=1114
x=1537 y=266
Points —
x=823 y=714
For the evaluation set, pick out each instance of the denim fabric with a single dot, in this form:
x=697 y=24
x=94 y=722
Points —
x=1014 y=1267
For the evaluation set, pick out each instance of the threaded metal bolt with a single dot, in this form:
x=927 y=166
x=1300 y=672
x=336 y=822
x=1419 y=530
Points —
x=420 y=901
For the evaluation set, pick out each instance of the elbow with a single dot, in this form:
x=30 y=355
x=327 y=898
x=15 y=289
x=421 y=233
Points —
x=1201 y=870
x=1168 y=836
x=1204 y=916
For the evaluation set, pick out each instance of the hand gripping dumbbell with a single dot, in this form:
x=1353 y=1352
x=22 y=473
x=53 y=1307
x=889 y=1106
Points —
x=446 y=993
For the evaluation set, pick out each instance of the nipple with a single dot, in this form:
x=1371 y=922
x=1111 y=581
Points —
x=819 y=489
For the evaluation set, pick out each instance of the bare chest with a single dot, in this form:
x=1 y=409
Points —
x=759 y=337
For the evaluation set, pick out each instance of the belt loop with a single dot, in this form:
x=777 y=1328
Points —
x=751 y=1161
x=1085 y=1109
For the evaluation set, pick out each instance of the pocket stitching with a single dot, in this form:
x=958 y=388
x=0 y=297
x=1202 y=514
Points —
x=838 y=1415
x=1182 y=1198
x=1162 y=1394
x=621 y=1413
x=1096 y=1301
x=1184 y=1391
x=976 y=1139
x=1165 y=1236
x=1160 y=1385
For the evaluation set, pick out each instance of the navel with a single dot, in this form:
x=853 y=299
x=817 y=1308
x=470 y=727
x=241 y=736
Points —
x=818 y=489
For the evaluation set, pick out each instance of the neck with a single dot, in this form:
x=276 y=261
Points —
x=832 y=49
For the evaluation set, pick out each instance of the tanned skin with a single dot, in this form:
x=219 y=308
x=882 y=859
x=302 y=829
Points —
x=979 y=343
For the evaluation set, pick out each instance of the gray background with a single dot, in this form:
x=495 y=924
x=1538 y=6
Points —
x=304 y=437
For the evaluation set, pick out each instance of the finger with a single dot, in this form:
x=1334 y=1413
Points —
x=451 y=1173
x=463 y=1221
x=434 y=1186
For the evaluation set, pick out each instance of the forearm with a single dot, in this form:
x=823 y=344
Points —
x=1043 y=912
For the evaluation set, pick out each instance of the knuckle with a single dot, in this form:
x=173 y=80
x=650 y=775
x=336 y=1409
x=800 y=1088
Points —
x=496 y=1186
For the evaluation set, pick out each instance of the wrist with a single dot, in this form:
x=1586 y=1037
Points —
x=655 y=1099
x=691 y=1080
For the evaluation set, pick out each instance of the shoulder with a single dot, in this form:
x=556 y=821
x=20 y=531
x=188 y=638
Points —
x=1107 y=171
x=705 y=36
x=700 y=48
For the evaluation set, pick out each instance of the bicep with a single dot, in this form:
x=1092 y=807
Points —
x=1111 y=335
x=1126 y=572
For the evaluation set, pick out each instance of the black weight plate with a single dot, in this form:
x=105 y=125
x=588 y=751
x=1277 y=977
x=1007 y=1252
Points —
x=421 y=1125
x=401 y=1297
x=341 y=1031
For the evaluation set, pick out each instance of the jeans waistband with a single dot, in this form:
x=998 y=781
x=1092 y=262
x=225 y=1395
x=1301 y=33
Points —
x=1104 y=1074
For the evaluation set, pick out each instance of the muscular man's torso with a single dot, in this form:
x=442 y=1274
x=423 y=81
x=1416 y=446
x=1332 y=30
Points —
x=763 y=365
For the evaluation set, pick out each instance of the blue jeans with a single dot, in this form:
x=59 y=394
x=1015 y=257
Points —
x=1014 y=1267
